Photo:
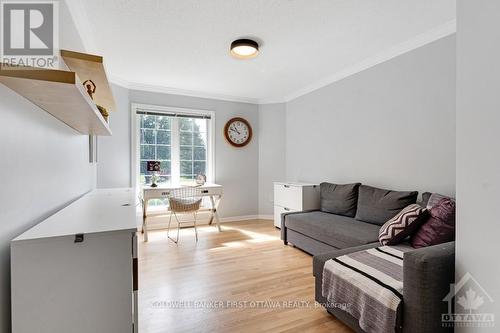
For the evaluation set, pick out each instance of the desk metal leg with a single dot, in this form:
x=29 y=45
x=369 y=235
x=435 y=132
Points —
x=144 y=226
x=215 y=214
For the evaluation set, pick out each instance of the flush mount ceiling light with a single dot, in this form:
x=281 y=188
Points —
x=244 y=48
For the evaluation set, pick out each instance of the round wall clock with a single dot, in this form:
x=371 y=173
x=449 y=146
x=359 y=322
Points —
x=238 y=132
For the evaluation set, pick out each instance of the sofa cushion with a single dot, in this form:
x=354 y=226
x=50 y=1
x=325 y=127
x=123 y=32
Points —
x=339 y=199
x=335 y=230
x=376 y=205
x=404 y=224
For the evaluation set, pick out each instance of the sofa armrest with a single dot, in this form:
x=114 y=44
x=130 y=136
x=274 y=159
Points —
x=427 y=275
x=283 y=228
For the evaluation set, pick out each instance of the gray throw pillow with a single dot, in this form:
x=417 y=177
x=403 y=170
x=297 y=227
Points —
x=376 y=205
x=434 y=198
x=339 y=199
x=425 y=198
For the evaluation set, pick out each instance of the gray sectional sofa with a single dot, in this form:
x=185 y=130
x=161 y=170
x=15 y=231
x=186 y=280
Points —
x=349 y=220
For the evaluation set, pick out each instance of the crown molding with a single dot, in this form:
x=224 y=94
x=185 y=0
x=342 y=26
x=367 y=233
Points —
x=182 y=92
x=430 y=36
x=264 y=101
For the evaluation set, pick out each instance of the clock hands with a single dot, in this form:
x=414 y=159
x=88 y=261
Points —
x=235 y=130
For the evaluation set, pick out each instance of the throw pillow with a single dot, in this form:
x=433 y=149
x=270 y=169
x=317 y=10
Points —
x=339 y=199
x=376 y=205
x=435 y=198
x=425 y=199
x=402 y=225
x=439 y=228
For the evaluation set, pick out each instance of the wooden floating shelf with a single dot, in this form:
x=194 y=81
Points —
x=58 y=92
x=90 y=67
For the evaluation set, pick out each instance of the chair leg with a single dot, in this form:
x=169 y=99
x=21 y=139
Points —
x=178 y=228
x=168 y=228
x=195 y=229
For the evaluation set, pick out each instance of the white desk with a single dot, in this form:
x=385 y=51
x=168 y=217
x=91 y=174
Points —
x=77 y=270
x=213 y=191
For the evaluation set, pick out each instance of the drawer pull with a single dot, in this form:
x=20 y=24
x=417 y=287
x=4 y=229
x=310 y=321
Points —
x=287 y=209
x=286 y=186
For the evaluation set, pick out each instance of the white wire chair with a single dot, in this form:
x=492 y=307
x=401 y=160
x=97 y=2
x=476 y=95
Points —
x=183 y=200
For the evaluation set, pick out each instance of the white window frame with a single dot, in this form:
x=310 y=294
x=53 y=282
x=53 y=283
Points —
x=135 y=146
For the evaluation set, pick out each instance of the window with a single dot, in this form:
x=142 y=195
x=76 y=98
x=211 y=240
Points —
x=193 y=147
x=155 y=145
x=179 y=139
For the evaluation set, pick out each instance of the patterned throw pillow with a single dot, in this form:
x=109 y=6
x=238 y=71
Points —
x=402 y=225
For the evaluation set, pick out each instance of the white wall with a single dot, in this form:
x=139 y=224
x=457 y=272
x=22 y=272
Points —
x=113 y=162
x=43 y=166
x=478 y=142
x=392 y=125
x=235 y=168
x=272 y=147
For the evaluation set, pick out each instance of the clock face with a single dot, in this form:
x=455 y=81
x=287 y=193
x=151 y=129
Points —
x=238 y=132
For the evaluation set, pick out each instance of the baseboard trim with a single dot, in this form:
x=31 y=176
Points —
x=204 y=220
x=245 y=218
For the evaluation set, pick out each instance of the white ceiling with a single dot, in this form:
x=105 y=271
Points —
x=182 y=45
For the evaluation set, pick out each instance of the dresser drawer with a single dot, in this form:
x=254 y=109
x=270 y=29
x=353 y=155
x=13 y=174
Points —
x=288 y=196
x=278 y=210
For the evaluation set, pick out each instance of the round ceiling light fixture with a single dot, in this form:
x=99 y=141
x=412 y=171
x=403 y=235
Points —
x=244 y=48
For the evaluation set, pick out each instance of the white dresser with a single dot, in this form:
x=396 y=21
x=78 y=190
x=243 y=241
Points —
x=77 y=270
x=293 y=197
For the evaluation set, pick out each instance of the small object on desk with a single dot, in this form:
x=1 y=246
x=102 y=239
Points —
x=153 y=166
x=201 y=179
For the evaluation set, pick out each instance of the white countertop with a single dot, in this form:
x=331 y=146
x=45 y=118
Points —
x=100 y=210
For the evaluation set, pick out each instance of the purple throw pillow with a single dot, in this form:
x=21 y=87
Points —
x=439 y=228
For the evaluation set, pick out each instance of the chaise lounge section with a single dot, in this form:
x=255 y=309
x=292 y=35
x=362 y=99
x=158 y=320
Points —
x=427 y=275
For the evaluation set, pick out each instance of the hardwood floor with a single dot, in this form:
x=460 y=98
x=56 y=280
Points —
x=245 y=262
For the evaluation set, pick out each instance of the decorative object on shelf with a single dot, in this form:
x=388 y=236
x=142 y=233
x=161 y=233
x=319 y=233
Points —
x=244 y=48
x=91 y=88
x=201 y=179
x=41 y=86
x=238 y=132
x=154 y=167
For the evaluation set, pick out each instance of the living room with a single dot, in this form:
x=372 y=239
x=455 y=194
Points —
x=249 y=166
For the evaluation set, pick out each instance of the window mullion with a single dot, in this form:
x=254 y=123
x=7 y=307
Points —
x=175 y=153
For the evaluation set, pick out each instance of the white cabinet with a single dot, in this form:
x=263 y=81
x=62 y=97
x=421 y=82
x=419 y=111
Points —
x=292 y=197
x=77 y=271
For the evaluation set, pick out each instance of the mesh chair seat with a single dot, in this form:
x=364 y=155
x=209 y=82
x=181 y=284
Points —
x=180 y=205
